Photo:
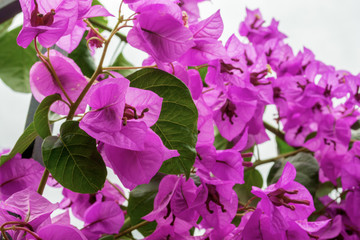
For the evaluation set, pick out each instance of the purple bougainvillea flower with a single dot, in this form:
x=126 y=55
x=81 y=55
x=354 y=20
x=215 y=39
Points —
x=80 y=202
x=219 y=208
x=167 y=188
x=60 y=232
x=332 y=133
x=134 y=167
x=18 y=174
x=178 y=198
x=103 y=218
x=331 y=164
x=206 y=47
x=228 y=166
x=352 y=206
x=47 y=20
x=70 y=41
x=211 y=27
x=28 y=207
x=107 y=102
x=232 y=114
x=205 y=50
x=146 y=103
x=120 y=115
x=257 y=225
x=93 y=43
x=191 y=8
x=350 y=168
x=73 y=81
x=292 y=199
x=252 y=28
x=161 y=35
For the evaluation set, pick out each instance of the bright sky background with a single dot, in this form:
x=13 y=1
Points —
x=330 y=28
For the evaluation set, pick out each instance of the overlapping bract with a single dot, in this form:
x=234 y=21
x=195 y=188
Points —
x=241 y=80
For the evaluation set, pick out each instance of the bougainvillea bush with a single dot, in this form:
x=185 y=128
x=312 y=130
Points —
x=179 y=131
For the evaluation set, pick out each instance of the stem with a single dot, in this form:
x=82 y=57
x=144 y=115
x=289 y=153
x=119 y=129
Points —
x=280 y=134
x=118 y=189
x=109 y=73
x=319 y=212
x=258 y=162
x=130 y=229
x=43 y=181
x=41 y=56
x=97 y=24
x=48 y=65
x=24 y=229
x=11 y=222
x=94 y=29
x=98 y=71
x=240 y=214
x=127 y=68
x=55 y=76
x=3 y=232
x=3 y=229
x=92 y=38
x=248 y=203
x=201 y=66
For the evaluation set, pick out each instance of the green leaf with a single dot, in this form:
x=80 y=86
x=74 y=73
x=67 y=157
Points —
x=141 y=203
x=22 y=143
x=73 y=160
x=203 y=71
x=310 y=136
x=4 y=26
x=283 y=147
x=324 y=189
x=41 y=117
x=82 y=57
x=121 y=61
x=177 y=124
x=252 y=177
x=108 y=237
x=307 y=171
x=15 y=62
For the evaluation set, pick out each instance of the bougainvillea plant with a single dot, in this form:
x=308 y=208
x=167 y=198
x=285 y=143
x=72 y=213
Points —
x=179 y=131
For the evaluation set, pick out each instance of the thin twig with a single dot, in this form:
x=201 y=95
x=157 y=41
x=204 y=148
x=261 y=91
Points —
x=130 y=229
x=94 y=29
x=25 y=230
x=280 y=134
x=43 y=181
x=98 y=71
x=329 y=203
x=118 y=189
x=257 y=163
x=97 y=24
x=46 y=61
x=127 y=67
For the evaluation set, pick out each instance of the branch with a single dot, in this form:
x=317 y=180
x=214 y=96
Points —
x=100 y=25
x=280 y=134
x=43 y=182
x=257 y=163
x=130 y=229
x=127 y=67
x=118 y=189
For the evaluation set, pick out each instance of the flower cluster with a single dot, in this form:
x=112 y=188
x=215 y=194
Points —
x=230 y=84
